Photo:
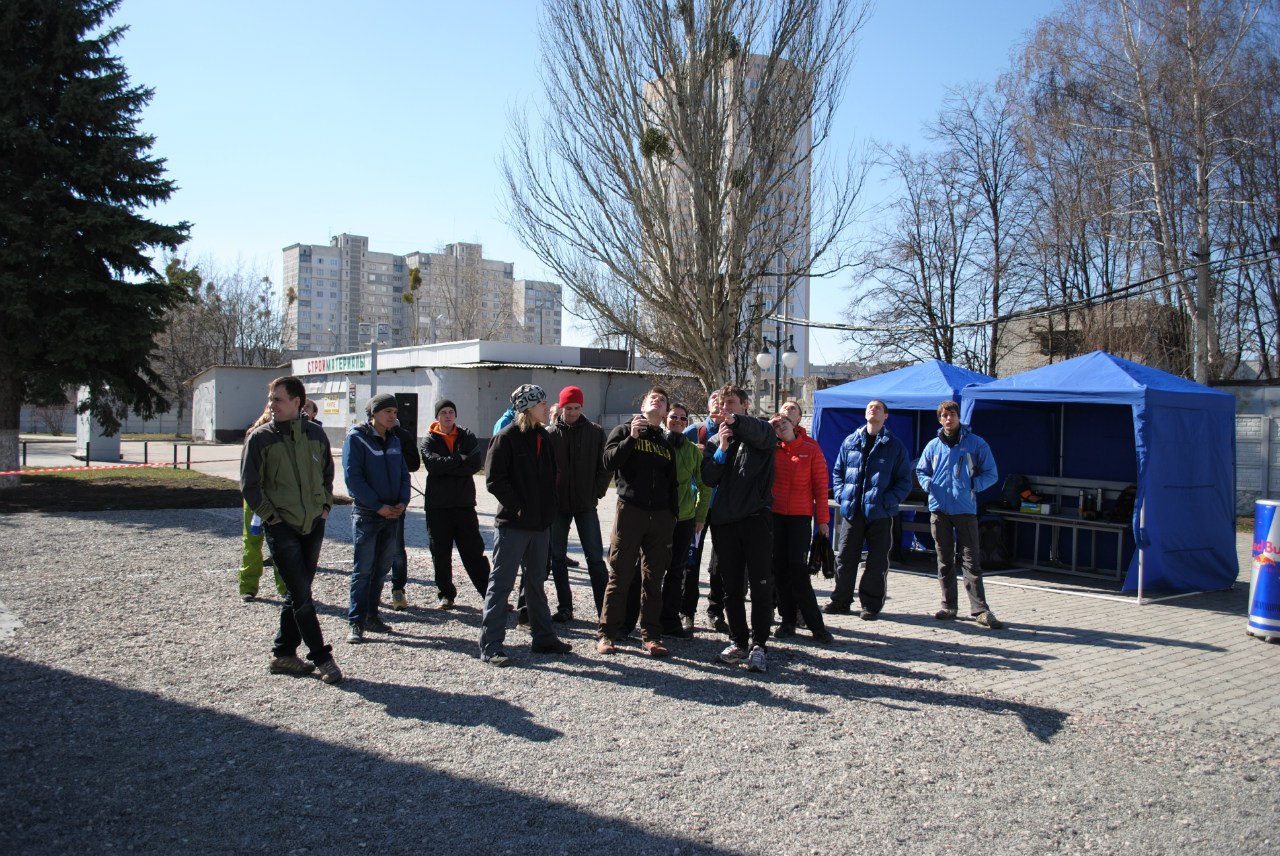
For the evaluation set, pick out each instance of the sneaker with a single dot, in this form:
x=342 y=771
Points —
x=398 y=600
x=717 y=623
x=290 y=665
x=447 y=603
x=499 y=660
x=686 y=624
x=355 y=634
x=824 y=637
x=248 y=598
x=374 y=624
x=988 y=620
x=329 y=672
x=562 y=616
x=756 y=660
x=945 y=615
x=523 y=622
x=571 y=562
x=868 y=615
x=733 y=655
x=656 y=649
x=556 y=647
x=606 y=646
x=834 y=608
x=783 y=630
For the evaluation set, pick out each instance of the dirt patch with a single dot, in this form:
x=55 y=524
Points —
x=140 y=490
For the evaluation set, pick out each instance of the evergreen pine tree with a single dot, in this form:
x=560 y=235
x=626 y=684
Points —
x=80 y=303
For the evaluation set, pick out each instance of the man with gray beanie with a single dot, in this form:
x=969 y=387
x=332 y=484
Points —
x=520 y=472
x=377 y=478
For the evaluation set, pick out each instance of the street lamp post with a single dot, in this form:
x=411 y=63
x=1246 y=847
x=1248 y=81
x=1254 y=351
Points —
x=765 y=361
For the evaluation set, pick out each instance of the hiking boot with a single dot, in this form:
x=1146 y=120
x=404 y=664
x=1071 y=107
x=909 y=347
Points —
x=398 y=600
x=988 y=620
x=355 y=634
x=499 y=660
x=834 y=608
x=756 y=661
x=447 y=603
x=868 y=615
x=686 y=624
x=329 y=672
x=824 y=637
x=656 y=649
x=556 y=647
x=248 y=598
x=562 y=616
x=733 y=655
x=945 y=615
x=606 y=646
x=290 y=665
x=783 y=630
x=374 y=624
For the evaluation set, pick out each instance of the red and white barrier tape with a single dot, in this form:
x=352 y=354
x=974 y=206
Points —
x=81 y=469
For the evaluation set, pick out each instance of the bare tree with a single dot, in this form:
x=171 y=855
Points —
x=681 y=163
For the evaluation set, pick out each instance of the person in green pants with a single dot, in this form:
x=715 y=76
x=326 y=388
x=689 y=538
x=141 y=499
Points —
x=251 y=554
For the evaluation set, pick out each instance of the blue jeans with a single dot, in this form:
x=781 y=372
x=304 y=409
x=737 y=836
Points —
x=375 y=541
x=588 y=523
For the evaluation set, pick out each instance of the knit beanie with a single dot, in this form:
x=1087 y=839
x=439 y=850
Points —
x=527 y=395
x=381 y=401
x=570 y=395
x=442 y=404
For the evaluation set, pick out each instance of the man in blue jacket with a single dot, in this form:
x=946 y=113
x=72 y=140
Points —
x=377 y=477
x=871 y=477
x=954 y=468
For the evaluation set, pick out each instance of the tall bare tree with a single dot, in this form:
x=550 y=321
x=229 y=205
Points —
x=682 y=160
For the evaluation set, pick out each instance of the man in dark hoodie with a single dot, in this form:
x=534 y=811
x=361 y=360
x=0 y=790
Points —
x=451 y=455
x=738 y=463
x=642 y=455
x=378 y=480
x=579 y=446
x=520 y=472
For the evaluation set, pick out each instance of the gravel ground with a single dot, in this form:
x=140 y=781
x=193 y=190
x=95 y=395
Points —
x=137 y=716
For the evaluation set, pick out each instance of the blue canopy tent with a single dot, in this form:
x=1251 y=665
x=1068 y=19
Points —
x=1098 y=416
x=912 y=395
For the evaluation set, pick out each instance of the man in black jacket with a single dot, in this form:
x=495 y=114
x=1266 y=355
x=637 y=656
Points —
x=520 y=472
x=579 y=447
x=452 y=457
x=642 y=456
x=738 y=463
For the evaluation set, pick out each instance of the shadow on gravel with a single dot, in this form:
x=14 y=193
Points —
x=92 y=767
x=468 y=711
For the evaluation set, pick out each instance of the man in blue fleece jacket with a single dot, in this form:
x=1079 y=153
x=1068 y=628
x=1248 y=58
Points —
x=377 y=477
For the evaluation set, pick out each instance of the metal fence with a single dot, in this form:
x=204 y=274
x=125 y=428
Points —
x=1257 y=460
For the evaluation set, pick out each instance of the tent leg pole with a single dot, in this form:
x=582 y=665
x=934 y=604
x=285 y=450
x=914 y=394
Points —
x=1142 y=522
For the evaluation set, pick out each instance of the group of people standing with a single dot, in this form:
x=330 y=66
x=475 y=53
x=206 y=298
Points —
x=759 y=486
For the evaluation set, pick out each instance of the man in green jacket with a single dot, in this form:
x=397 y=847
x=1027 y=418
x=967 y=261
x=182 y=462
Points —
x=287 y=479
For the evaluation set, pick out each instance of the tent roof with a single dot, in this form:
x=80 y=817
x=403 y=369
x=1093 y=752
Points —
x=918 y=387
x=1102 y=378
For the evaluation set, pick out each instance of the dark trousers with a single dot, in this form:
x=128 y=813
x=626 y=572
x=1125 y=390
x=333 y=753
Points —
x=400 y=561
x=641 y=540
x=792 y=535
x=966 y=538
x=587 y=522
x=447 y=527
x=744 y=548
x=675 y=584
x=715 y=594
x=878 y=535
x=296 y=558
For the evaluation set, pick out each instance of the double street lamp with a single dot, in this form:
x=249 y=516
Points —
x=765 y=361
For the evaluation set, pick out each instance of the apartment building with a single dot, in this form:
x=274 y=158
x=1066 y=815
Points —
x=343 y=295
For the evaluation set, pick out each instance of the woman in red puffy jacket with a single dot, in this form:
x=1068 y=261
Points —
x=799 y=498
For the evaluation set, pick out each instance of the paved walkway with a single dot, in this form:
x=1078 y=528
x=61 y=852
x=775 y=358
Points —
x=1185 y=662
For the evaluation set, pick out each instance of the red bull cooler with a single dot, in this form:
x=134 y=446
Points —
x=1264 y=586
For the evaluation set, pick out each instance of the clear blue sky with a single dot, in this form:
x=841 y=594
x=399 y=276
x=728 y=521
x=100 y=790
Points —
x=287 y=122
